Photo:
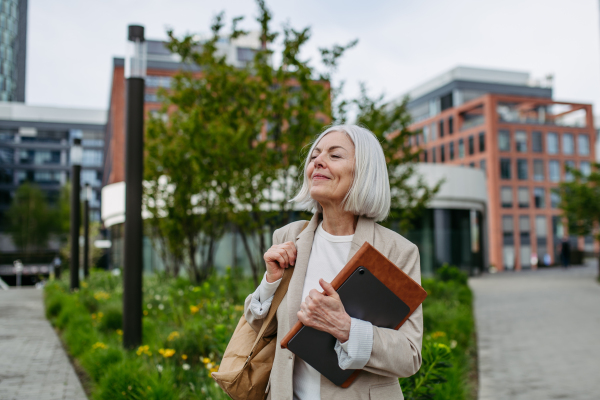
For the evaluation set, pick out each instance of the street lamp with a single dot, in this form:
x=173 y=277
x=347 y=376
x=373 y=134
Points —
x=86 y=229
x=135 y=72
x=76 y=158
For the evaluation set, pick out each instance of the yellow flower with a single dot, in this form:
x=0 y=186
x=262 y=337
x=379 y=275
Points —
x=119 y=332
x=173 y=335
x=183 y=356
x=442 y=346
x=101 y=295
x=239 y=308
x=99 y=345
x=144 y=350
x=145 y=312
x=438 y=334
x=214 y=369
x=194 y=309
x=84 y=284
x=166 y=353
x=93 y=316
x=206 y=360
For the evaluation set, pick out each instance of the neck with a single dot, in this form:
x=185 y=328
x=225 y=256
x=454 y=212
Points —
x=338 y=222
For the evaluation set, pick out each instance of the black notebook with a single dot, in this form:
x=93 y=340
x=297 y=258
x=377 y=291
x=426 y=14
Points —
x=364 y=297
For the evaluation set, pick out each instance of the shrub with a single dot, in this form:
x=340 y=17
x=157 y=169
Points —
x=112 y=319
x=447 y=273
x=97 y=361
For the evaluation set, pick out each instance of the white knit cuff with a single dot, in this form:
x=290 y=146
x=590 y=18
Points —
x=356 y=351
x=258 y=306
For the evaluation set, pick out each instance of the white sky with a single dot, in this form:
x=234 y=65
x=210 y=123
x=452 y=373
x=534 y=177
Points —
x=401 y=43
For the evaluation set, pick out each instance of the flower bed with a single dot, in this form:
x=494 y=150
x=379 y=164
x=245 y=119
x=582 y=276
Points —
x=186 y=328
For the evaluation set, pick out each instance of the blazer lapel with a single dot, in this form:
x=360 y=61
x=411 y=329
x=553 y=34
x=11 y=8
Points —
x=365 y=232
x=304 y=242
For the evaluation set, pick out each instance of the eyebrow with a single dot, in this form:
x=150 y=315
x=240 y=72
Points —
x=330 y=148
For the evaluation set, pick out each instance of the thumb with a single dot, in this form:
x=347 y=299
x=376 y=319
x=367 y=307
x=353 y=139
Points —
x=327 y=288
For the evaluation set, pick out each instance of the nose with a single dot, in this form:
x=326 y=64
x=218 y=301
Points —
x=318 y=161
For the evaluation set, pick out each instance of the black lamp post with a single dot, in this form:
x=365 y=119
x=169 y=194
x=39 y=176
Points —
x=87 y=192
x=135 y=72
x=76 y=158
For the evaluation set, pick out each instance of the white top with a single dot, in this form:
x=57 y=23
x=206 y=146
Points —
x=327 y=258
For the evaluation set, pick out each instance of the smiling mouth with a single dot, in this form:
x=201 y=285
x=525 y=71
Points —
x=318 y=176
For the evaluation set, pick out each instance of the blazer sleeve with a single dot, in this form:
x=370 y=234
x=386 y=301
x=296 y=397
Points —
x=254 y=321
x=397 y=353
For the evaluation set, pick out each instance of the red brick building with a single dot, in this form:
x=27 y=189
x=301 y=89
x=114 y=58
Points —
x=500 y=122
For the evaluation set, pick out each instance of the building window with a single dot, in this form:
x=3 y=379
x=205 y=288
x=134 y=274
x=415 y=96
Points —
x=553 y=171
x=450 y=125
x=472 y=164
x=446 y=101
x=539 y=197
x=538 y=170
x=433 y=131
x=569 y=165
x=522 y=170
x=433 y=155
x=426 y=134
x=541 y=227
x=585 y=168
x=568 y=143
x=471 y=145
x=482 y=166
x=151 y=98
x=536 y=142
x=525 y=235
x=442 y=154
x=158 y=81
x=505 y=168
x=554 y=199
x=481 y=142
x=425 y=155
x=442 y=128
x=552 y=143
x=39 y=157
x=523 y=197
x=461 y=148
x=508 y=228
x=91 y=158
x=451 y=150
x=506 y=197
x=245 y=54
x=521 y=141
x=583 y=145
x=504 y=140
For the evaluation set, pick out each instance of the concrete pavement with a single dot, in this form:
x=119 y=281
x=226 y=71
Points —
x=538 y=334
x=33 y=364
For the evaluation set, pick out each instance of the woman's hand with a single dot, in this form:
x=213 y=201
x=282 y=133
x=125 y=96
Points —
x=325 y=312
x=278 y=258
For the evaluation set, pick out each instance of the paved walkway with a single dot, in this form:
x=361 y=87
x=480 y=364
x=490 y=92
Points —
x=33 y=364
x=539 y=334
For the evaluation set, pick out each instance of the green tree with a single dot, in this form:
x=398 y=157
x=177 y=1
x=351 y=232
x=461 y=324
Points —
x=227 y=146
x=580 y=203
x=30 y=220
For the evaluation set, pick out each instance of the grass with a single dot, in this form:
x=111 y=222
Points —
x=186 y=328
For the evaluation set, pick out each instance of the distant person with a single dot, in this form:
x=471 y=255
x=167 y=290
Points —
x=565 y=252
x=547 y=260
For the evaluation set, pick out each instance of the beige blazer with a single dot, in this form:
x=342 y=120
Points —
x=395 y=353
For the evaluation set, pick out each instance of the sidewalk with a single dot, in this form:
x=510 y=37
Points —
x=33 y=364
x=538 y=334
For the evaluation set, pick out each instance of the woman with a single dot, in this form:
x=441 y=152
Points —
x=346 y=186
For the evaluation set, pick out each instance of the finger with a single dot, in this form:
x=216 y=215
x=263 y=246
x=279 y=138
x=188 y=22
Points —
x=301 y=317
x=308 y=301
x=284 y=254
x=327 y=288
x=278 y=258
x=291 y=254
x=304 y=308
x=315 y=295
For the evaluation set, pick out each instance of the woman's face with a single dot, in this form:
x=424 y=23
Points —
x=330 y=171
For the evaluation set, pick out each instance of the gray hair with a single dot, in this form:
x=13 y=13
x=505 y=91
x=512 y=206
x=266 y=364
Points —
x=369 y=194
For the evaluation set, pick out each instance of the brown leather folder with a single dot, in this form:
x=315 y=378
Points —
x=383 y=294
